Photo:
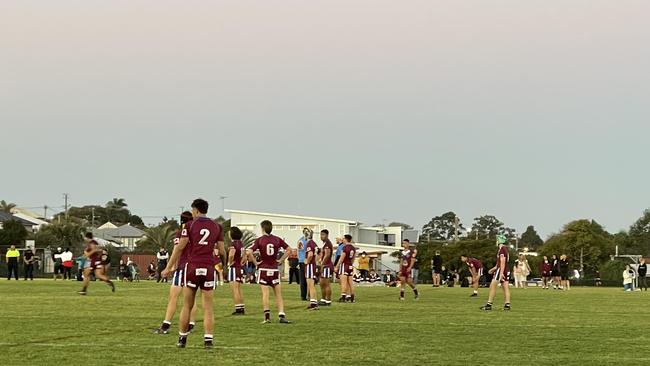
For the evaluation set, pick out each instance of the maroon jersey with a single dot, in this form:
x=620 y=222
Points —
x=474 y=263
x=203 y=235
x=348 y=254
x=94 y=258
x=327 y=262
x=407 y=256
x=503 y=251
x=268 y=246
x=311 y=247
x=237 y=246
x=183 y=258
x=545 y=268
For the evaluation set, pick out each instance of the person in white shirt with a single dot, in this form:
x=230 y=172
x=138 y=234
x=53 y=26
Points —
x=163 y=257
x=628 y=278
x=66 y=262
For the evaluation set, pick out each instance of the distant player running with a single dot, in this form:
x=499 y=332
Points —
x=475 y=269
x=177 y=284
x=203 y=236
x=501 y=275
x=235 y=270
x=310 y=269
x=407 y=260
x=93 y=263
x=344 y=267
x=326 y=269
x=268 y=246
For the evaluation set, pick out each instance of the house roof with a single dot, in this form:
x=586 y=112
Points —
x=4 y=217
x=354 y=222
x=31 y=219
x=124 y=231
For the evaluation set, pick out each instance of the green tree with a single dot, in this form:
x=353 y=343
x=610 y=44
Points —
x=530 y=239
x=116 y=203
x=640 y=235
x=68 y=234
x=248 y=238
x=488 y=226
x=441 y=227
x=585 y=242
x=161 y=236
x=13 y=232
x=6 y=206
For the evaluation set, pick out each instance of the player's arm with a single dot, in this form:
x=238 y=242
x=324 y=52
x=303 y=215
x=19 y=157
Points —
x=287 y=253
x=326 y=255
x=231 y=256
x=502 y=265
x=472 y=270
x=176 y=254
x=309 y=256
x=413 y=259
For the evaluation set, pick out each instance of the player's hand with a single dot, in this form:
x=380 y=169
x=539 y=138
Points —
x=165 y=273
x=491 y=271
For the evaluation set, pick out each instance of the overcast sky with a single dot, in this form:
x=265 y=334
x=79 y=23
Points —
x=534 y=111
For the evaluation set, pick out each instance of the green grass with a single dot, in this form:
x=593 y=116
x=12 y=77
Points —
x=46 y=322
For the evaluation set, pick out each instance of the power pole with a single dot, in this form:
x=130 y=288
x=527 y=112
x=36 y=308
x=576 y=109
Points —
x=65 y=206
x=223 y=205
x=93 y=217
x=45 y=212
x=456 y=228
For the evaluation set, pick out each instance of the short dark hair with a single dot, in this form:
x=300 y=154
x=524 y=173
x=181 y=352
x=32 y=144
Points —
x=267 y=226
x=186 y=217
x=325 y=231
x=406 y=240
x=235 y=233
x=348 y=237
x=464 y=255
x=89 y=235
x=201 y=205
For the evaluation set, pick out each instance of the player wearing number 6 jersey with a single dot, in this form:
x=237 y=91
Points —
x=268 y=247
x=202 y=236
x=345 y=269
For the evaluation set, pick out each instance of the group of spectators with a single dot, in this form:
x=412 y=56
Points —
x=62 y=259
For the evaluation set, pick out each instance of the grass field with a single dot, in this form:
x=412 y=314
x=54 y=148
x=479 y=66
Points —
x=46 y=323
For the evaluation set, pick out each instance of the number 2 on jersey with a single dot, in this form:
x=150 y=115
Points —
x=204 y=239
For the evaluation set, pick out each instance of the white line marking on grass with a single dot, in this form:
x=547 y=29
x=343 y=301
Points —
x=90 y=345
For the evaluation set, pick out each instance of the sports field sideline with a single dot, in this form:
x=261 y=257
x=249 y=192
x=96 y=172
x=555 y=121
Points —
x=46 y=322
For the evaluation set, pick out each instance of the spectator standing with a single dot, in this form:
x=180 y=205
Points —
x=564 y=272
x=364 y=266
x=521 y=271
x=163 y=257
x=58 y=264
x=66 y=262
x=28 y=261
x=339 y=250
x=628 y=278
x=555 y=272
x=642 y=271
x=545 y=270
x=293 y=267
x=302 y=251
x=12 y=262
x=436 y=269
x=415 y=271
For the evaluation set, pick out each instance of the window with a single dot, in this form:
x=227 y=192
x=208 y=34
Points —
x=293 y=227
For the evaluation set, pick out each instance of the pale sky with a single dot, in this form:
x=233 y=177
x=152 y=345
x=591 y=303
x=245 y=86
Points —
x=534 y=111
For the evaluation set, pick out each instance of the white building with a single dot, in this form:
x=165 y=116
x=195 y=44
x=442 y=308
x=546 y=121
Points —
x=377 y=242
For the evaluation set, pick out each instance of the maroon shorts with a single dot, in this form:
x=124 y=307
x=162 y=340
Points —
x=268 y=277
x=506 y=276
x=327 y=271
x=404 y=273
x=346 y=269
x=310 y=272
x=199 y=276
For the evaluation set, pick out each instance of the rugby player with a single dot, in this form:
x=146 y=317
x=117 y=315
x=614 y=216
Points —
x=344 y=267
x=93 y=263
x=310 y=269
x=235 y=270
x=475 y=269
x=408 y=258
x=326 y=269
x=501 y=275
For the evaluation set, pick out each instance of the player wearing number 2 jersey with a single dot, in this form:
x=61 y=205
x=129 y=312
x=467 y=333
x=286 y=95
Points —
x=202 y=237
x=268 y=247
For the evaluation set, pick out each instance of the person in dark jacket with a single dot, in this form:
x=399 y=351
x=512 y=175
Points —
x=642 y=271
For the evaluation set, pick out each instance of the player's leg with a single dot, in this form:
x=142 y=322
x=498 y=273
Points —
x=505 y=285
x=311 y=289
x=492 y=293
x=99 y=273
x=350 y=287
x=172 y=300
x=86 y=280
x=189 y=294
x=411 y=283
x=279 y=302
x=402 y=285
x=475 y=280
x=266 y=305
x=237 y=297
x=207 y=295
x=343 y=279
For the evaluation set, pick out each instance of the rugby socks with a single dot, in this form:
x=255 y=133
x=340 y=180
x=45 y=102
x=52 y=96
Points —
x=165 y=325
x=282 y=315
x=240 y=308
x=401 y=294
x=506 y=306
x=313 y=303
x=417 y=294
x=343 y=297
x=208 y=338
x=182 y=340
x=267 y=315
x=191 y=326
x=350 y=298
